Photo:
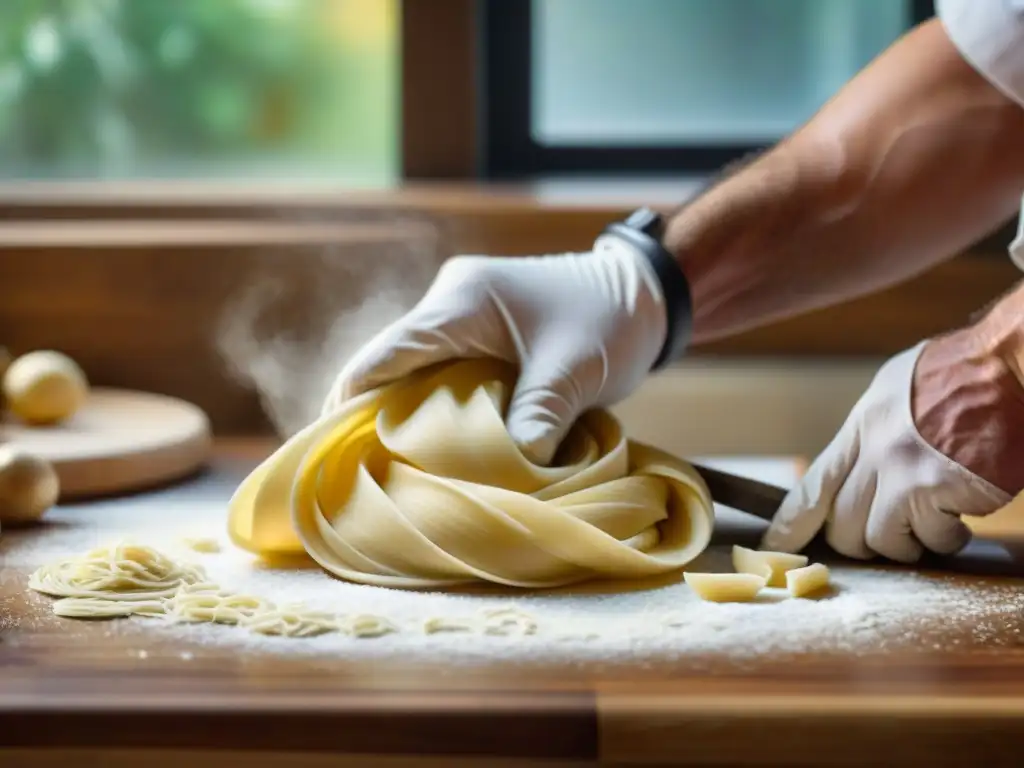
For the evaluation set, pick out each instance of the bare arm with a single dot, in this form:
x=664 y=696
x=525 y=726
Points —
x=915 y=159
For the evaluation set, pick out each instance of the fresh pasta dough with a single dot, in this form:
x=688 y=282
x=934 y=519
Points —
x=134 y=580
x=130 y=579
x=810 y=580
x=436 y=624
x=757 y=570
x=508 y=621
x=103 y=608
x=772 y=565
x=291 y=621
x=725 y=587
x=209 y=604
x=419 y=485
x=202 y=545
x=124 y=572
x=366 y=625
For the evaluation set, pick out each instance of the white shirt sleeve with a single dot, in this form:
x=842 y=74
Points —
x=990 y=35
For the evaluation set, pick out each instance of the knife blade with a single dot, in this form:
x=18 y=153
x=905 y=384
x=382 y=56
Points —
x=742 y=493
x=981 y=557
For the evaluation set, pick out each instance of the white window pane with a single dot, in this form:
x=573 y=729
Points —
x=696 y=71
x=199 y=89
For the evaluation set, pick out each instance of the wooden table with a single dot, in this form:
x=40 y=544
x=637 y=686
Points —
x=66 y=701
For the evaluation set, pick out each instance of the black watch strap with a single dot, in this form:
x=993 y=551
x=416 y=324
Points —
x=644 y=230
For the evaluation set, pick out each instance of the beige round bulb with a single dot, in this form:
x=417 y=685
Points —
x=28 y=486
x=44 y=387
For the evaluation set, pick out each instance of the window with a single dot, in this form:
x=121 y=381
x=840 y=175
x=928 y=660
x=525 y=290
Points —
x=364 y=92
x=199 y=89
x=667 y=85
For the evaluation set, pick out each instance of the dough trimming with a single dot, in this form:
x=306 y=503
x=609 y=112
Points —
x=761 y=562
x=725 y=587
x=129 y=579
x=810 y=580
x=206 y=546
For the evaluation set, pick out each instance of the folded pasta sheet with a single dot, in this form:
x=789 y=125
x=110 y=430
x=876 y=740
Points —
x=418 y=484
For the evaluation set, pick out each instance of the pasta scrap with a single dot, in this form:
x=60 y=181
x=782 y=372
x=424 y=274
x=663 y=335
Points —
x=758 y=562
x=207 y=604
x=366 y=625
x=436 y=624
x=101 y=608
x=726 y=587
x=122 y=572
x=508 y=621
x=204 y=545
x=291 y=621
x=807 y=581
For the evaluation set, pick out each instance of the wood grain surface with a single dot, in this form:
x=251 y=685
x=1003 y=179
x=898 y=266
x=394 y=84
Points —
x=119 y=441
x=83 y=688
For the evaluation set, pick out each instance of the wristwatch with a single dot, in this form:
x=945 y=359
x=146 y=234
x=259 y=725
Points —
x=645 y=230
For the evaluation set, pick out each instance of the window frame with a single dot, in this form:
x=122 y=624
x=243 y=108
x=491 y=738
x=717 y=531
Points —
x=509 y=150
x=439 y=89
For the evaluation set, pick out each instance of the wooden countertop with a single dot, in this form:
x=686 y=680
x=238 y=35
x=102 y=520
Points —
x=963 y=705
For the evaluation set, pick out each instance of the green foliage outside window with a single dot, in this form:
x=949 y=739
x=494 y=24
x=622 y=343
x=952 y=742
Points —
x=208 y=88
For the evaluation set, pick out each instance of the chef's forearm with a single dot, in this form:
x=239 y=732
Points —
x=916 y=158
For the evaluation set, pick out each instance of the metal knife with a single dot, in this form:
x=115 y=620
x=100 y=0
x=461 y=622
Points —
x=742 y=493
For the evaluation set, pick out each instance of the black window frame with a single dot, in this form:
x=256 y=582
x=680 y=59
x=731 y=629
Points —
x=507 y=149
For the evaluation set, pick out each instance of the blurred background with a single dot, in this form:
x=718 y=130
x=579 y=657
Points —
x=311 y=88
x=198 y=89
x=697 y=73
x=222 y=199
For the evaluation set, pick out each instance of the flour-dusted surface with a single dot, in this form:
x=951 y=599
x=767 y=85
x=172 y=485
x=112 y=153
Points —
x=872 y=610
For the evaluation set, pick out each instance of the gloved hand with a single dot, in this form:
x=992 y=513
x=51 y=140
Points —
x=938 y=434
x=584 y=328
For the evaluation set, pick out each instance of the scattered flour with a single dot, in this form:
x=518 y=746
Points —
x=871 y=610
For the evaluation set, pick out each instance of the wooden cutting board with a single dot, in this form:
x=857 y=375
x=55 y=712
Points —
x=120 y=441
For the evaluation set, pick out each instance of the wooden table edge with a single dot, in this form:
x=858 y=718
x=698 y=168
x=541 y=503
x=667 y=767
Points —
x=807 y=729
x=500 y=724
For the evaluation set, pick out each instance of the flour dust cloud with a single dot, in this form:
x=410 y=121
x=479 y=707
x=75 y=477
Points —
x=306 y=310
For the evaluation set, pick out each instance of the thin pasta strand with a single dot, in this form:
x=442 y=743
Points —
x=128 y=579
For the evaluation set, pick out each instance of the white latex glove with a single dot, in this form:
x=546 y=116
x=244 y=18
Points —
x=879 y=488
x=584 y=328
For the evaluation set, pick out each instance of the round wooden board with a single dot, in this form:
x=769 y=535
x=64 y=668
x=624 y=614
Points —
x=120 y=441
